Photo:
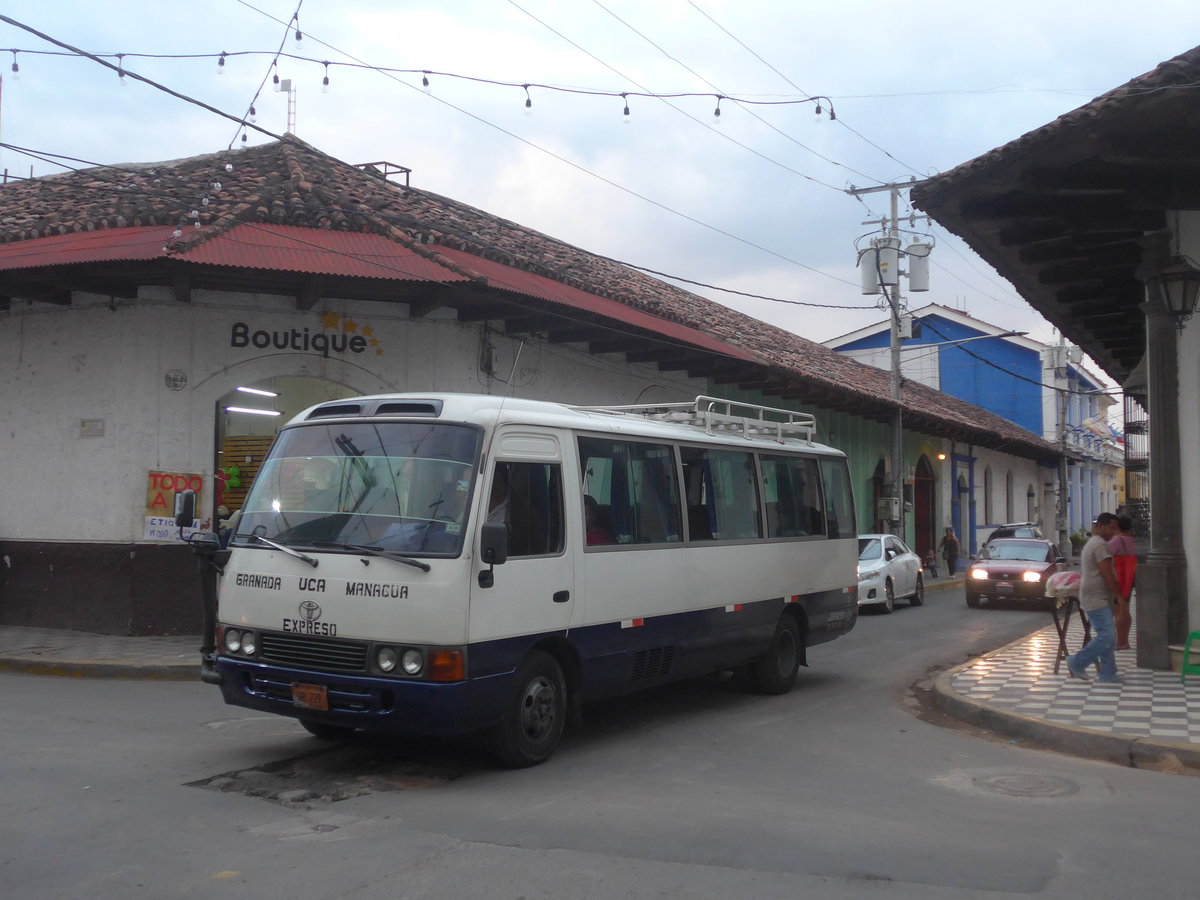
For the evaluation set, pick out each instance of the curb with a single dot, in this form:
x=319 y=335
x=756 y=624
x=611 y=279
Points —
x=94 y=669
x=1122 y=749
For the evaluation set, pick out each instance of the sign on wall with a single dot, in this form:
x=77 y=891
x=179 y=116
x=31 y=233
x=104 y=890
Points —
x=161 y=488
x=338 y=335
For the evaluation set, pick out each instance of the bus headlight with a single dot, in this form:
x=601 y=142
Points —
x=249 y=643
x=413 y=662
x=233 y=640
x=386 y=658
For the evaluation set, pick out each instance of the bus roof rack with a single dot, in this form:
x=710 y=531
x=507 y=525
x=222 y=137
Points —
x=718 y=416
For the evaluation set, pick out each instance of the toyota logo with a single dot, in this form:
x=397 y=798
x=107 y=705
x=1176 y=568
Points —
x=310 y=610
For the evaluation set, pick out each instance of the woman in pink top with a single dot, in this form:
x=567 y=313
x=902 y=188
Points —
x=1124 y=565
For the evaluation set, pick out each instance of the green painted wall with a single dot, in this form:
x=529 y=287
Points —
x=865 y=443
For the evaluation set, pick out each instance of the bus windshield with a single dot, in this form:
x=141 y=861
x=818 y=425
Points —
x=395 y=486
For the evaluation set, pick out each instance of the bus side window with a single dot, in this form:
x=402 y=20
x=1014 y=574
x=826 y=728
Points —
x=722 y=494
x=528 y=498
x=839 y=500
x=634 y=486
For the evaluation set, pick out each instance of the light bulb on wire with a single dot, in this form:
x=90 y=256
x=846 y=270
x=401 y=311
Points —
x=16 y=68
x=325 y=80
x=625 y=115
x=528 y=101
x=717 y=111
x=221 y=64
x=425 y=83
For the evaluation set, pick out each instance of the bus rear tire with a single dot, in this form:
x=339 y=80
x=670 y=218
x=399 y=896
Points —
x=534 y=715
x=776 y=672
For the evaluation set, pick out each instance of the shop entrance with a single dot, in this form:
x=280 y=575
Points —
x=923 y=524
x=248 y=418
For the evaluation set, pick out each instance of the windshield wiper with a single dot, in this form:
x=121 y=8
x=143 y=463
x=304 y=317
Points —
x=387 y=554
x=303 y=557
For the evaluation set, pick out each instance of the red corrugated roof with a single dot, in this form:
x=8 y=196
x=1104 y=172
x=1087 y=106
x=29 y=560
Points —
x=285 y=248
x=109 y=245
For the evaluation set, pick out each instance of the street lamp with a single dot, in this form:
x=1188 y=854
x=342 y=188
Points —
x=1178 y=286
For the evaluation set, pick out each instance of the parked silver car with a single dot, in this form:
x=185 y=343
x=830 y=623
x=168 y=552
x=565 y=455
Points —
x=888 y=570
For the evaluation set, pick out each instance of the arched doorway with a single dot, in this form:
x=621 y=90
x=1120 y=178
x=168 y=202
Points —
x=924 y=535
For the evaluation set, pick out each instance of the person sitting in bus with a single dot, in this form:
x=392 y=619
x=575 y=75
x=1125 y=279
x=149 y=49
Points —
x=596 y=533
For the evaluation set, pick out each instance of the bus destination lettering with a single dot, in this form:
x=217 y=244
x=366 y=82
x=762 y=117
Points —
x=266 y=582
x=366 y=589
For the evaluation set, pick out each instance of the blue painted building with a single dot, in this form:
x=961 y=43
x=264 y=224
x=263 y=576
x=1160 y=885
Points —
x=1041 y=387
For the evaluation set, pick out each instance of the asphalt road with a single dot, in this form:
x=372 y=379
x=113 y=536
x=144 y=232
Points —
x=117 y=789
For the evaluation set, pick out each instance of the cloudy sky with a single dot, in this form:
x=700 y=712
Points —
x=756 y=203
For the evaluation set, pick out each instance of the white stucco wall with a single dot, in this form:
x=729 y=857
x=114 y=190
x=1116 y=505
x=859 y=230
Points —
x=106 y=361
x=1026 y=475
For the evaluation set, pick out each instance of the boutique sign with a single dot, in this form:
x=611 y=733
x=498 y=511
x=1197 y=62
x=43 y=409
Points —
x=338 y=335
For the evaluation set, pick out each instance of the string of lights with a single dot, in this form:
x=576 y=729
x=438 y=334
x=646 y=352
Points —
x=222 y=58
x=745 y=107
x=251 y=112
x=665 y=99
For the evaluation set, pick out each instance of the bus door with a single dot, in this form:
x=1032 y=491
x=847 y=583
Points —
x=533 y=593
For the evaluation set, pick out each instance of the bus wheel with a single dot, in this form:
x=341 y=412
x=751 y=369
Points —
x=775 y=673
x=326 y=732
x=534 y=714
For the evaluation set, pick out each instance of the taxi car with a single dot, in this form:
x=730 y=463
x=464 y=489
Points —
x=1012 y=569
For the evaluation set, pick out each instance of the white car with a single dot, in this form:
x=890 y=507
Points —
x=888 y=570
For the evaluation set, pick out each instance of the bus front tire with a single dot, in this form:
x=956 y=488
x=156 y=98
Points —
x=534 y=713
x=325 y=731
x=775 y=673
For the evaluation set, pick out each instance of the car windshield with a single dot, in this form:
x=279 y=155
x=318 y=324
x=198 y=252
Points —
x=401 y=487
x=869 y=548
x=1026 y=550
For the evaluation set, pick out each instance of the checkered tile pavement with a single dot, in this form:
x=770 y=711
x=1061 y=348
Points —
x=1020 y=678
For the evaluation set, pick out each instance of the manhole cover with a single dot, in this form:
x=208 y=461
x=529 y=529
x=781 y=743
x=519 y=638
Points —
x=1027 y=785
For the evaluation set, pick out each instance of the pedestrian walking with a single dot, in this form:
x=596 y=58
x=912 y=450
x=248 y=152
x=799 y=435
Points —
x=1098 y=591
x=1124 y=553
x=949 y=549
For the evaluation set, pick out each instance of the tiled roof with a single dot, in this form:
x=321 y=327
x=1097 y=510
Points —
x=290 y=183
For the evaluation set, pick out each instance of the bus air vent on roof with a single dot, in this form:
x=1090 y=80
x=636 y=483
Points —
x=409 y=408
x=336 y=411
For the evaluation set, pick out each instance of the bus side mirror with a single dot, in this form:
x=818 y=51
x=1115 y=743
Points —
x=493 y=550
x=493 y=543
x=185 y=509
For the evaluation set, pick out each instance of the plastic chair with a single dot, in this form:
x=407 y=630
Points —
x=1189 y=668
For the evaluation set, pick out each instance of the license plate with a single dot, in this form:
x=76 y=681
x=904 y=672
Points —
x=311 y=696
x=1003 y=586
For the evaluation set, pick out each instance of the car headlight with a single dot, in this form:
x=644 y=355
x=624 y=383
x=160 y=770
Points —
x=233 y=640
x=386 y=658
x=979 y=574
x=412 y=662
x=1031 y=576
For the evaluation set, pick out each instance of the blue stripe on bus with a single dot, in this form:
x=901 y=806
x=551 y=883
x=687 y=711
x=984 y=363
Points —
x=612 y=658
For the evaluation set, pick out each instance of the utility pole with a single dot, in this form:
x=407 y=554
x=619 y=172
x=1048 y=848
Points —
x=884 y=257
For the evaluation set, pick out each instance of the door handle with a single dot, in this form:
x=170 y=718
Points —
x=562 y=596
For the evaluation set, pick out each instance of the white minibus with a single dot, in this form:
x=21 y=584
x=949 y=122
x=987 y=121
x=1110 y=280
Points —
x=453 y=564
